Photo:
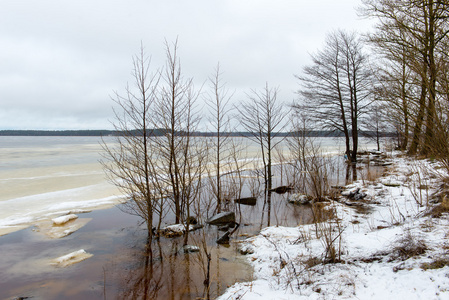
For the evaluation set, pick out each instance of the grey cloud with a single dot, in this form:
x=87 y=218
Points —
x=60 y=60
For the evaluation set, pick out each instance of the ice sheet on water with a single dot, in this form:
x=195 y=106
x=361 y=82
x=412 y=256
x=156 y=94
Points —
x=64 y=219
x=71 y=258
x=26 y=212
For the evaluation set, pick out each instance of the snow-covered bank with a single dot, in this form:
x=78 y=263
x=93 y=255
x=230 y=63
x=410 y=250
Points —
x=386 y=246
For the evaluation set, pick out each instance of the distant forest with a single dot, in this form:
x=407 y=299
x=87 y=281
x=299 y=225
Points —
x=160 y=132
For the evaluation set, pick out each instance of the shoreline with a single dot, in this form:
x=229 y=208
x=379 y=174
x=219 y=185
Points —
x=387 y=246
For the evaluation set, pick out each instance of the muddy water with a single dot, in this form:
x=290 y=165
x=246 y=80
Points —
x=120 y=268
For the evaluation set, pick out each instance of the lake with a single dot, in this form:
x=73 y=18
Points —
x=45 y=177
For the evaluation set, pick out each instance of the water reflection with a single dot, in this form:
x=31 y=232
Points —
x=144 y=279
x=123 y=268
x=174 y=274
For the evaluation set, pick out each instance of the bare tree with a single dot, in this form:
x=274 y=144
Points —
x=175 y=116
x=322 y=89
x=359 y=80
x=263 y=117
x=128 y=161
x=419 y=28
x=311 y=168
x=218 y=103
x=336 y=88
x=301 y=145
x=375 y=123
x=155 y=157
x=395 y=90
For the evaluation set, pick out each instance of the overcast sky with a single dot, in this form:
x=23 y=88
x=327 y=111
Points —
x=61 y=60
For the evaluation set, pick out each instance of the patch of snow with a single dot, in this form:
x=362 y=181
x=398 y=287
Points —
x=391 y=182
x=299 y=199
x=63 y=230
x=289 y=263
x=190 y=249
x=175 y=230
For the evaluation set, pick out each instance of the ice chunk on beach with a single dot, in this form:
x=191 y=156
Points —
x=71 y=258
x=64 y=219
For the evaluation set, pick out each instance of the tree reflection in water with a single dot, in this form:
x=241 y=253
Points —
x=144 y=280
x=173 y=274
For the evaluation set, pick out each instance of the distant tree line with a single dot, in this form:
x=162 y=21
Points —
x=56 y=132
x=161 y=132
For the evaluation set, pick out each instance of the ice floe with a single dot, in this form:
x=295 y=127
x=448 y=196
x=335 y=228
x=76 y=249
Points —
x=71 y=258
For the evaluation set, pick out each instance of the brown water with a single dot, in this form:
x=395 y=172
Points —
x=120 y=267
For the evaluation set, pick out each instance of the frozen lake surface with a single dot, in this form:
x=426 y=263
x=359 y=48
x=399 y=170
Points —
x=42 y=177
x=45 y=177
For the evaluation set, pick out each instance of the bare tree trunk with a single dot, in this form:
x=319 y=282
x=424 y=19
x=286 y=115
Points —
x=404 y=107
x=431 y=114
x=419 y=119
x=218 y=102
x=129 y=164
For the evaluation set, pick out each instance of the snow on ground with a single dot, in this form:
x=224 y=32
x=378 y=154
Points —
x=176 y=230
x=386 y=246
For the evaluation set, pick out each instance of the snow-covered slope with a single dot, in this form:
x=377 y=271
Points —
x=386 y=246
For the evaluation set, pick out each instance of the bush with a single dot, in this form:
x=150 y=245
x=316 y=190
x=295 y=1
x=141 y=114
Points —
x=408 y=246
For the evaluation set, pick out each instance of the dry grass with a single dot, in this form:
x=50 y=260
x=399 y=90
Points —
x=408 y=246
x=436 y=264
x=440 y=208
x=322 y=212
x=312 y=262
